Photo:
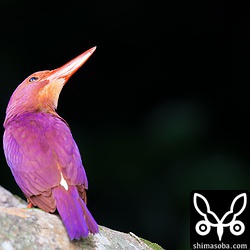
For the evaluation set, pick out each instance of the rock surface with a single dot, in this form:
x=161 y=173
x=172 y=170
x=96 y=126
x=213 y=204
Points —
x=23 y=228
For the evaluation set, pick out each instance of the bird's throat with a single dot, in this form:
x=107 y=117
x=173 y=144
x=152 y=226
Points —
x=49 y=95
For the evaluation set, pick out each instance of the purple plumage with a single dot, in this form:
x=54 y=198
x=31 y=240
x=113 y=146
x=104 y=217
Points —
x=41 y=152
x=39 y=148
x=76 y=226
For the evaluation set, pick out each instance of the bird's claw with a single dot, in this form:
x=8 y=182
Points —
x=30 y=205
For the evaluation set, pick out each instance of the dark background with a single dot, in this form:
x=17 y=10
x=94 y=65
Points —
x=160 y=109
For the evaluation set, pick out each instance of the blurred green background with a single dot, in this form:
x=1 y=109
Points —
x=160 y=109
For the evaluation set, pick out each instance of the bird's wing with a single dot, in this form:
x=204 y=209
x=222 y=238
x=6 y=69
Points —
x=38 y=148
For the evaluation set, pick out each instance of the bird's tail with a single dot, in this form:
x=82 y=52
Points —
x=74 y=213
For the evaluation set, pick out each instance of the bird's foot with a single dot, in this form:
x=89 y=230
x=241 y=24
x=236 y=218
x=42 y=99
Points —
x=30 y=205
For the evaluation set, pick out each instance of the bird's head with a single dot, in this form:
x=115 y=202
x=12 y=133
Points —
x=40 y=91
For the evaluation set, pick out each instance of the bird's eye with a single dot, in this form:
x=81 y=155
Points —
x=32 y=79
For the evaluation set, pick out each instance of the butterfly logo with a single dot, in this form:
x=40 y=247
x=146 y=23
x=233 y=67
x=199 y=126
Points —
x=203 y=227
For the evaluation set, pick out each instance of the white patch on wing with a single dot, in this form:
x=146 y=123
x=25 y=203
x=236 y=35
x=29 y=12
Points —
x=64 y=183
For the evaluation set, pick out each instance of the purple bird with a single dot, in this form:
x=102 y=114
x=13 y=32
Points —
x=41 y=152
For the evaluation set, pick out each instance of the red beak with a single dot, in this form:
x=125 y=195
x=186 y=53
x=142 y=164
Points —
x=68 y=69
